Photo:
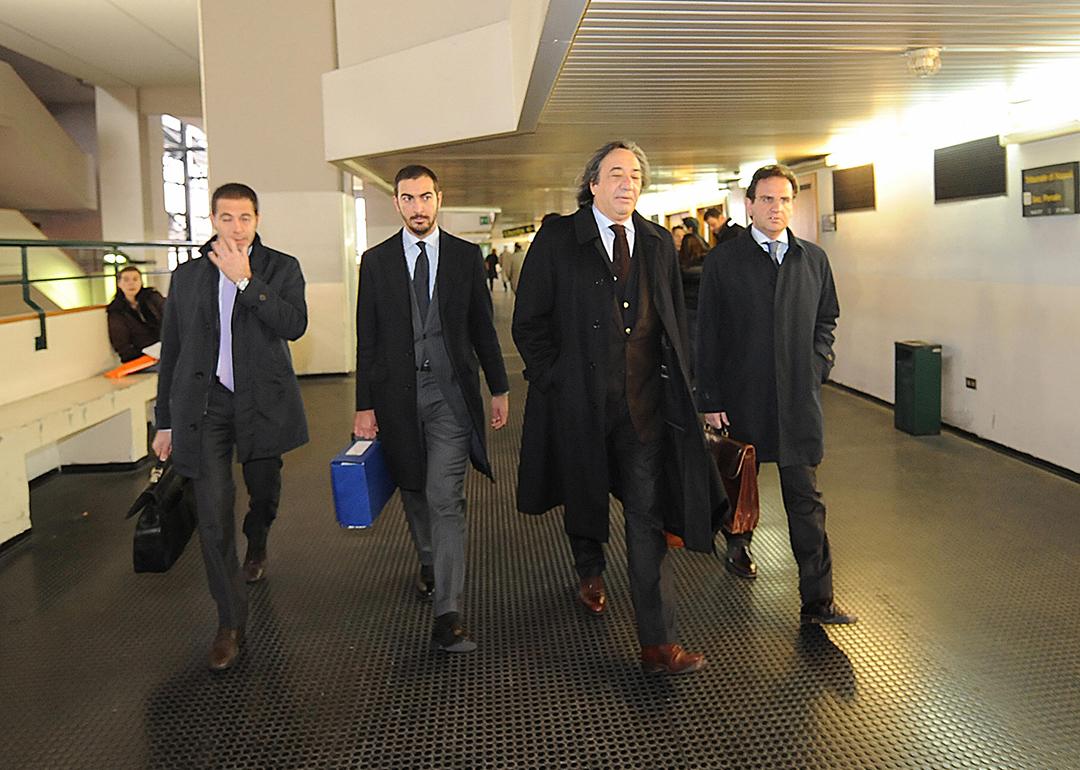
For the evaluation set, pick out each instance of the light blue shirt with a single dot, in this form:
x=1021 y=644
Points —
x=412 y=251
x=607 y=235
x=763 y=240
x=227 y=292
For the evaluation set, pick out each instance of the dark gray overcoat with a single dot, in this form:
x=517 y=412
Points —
x=765 y=345
x=271 y=310
x=385 y=354
x=564 y=300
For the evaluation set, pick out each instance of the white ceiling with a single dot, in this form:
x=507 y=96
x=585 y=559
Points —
x=704 y=86
x=108 y=42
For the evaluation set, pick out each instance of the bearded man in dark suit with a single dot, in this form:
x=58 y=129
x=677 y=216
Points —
x=423 y=328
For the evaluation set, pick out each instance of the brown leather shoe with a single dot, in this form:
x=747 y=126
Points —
x=592 y=595
x=226 y=648
x=255 y=565
x=670 y=659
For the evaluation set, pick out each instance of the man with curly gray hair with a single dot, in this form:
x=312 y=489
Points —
x=600 y=324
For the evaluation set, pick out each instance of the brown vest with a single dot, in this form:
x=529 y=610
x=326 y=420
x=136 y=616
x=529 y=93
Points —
x=634 y=355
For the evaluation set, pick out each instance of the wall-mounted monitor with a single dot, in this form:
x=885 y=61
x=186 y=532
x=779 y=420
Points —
x=969 y=170
x=853 y=188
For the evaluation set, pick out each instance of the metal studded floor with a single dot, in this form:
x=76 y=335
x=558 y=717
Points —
x=961 y=562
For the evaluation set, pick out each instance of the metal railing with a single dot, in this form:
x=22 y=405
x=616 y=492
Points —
x=105 y=260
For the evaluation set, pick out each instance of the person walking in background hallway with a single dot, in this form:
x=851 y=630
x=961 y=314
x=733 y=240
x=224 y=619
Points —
x=767 y=312
x=600 y=325
x=721 y=227
x=423 y=323
x=226 y=384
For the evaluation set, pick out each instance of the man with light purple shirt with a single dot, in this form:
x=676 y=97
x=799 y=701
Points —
x=226 y=386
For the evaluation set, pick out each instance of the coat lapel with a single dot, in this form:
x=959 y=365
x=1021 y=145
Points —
x=399 y=283
x=586 y=230
x=448 y=274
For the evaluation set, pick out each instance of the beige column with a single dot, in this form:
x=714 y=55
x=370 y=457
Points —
x=262 y=64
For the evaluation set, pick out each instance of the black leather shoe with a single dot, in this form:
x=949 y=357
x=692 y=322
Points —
x=425 y=582
x=740 y=562
x=826 y=614
x=450 y=636
x=255 y=564
x=226 y=648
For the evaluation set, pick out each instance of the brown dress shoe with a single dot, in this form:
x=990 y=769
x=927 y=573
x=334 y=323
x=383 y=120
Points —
x=255 y=565
x=226 y=648
x=670 y=659
x=592 y=595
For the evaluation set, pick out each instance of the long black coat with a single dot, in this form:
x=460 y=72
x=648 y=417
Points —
x=385 y=355
x=765 y=345
x=564 y=299
x=269 y=409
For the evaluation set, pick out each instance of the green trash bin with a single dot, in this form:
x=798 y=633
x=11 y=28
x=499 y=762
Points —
x=918 y=387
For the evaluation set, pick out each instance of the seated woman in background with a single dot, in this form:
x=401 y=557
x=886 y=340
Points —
x=134 y=315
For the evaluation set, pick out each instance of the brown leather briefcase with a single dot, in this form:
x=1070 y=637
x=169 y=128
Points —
x=737 y=463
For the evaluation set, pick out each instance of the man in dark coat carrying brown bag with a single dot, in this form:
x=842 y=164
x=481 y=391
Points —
x=600 y=324
x=767 y=311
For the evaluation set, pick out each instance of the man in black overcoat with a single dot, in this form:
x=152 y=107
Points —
x=423 y=327
x=229 y=387
x=600 y=323
x=766 y=313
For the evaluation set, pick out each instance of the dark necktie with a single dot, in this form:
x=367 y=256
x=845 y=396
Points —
x=774 y=252
x=620 y=254
x=420 y=281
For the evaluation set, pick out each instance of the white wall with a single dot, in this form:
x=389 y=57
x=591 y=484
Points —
x=1000 y=293
x=78 y=348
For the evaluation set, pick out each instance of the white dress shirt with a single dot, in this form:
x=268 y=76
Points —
x=412 y=251
x=607 y=235
x=764 y=240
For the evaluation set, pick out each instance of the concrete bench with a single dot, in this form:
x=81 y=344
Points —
x=92 y=421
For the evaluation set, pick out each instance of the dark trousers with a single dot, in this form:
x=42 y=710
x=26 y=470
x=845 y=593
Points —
x=806 y=529
x=651 y=580
x=436 y=513
x=215 y=500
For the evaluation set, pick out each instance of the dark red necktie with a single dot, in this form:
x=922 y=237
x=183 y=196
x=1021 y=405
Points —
x=620 y=255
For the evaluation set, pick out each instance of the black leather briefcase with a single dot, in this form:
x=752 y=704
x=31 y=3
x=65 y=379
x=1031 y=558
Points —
x=166 y=520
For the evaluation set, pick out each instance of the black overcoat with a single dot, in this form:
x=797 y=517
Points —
x=385 y=354
x=765 y=345
x=271 y=310
x=564 y=299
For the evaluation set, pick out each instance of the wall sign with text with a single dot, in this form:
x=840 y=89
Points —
x=1050 y=190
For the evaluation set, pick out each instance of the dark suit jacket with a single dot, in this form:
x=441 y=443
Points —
x=385 y=355
x=269 y=409
x=765 y=345
x=560 y=326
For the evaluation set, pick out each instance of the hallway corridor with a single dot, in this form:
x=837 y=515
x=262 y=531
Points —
x=961 y=563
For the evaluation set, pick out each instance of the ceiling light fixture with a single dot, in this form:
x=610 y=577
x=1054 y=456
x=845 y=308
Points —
x=924 y=62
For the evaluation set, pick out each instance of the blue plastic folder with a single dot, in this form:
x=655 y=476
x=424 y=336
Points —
x=361 y=482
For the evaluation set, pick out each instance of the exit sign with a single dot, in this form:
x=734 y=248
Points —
x=485 y=219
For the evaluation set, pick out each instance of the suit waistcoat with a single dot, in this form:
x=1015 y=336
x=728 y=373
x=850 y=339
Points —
x=429 y=346
x=634 y=353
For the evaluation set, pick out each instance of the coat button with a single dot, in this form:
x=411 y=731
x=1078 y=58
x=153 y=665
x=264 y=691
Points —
x=193 y=426
x=596 y=324
x=198 y=375
x=626 y=304
x=262 y=298
x=627 y=330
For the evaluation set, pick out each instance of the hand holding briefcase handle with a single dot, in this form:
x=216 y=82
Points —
x=737 y=463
